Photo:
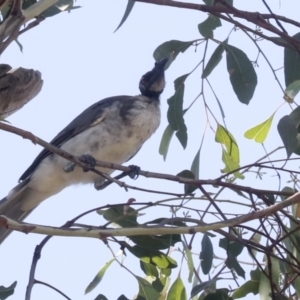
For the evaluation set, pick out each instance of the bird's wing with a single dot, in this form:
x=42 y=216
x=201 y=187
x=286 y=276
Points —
x=88 y=118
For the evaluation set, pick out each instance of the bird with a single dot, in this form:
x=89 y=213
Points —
x=111 y=130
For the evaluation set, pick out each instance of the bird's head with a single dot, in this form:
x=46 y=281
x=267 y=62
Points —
x=153 y=82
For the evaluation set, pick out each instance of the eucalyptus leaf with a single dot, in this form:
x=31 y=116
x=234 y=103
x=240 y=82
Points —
x=243 y=77
x=97 y=279
x=214 y=60
x=291 y=63
x=259 y=132
x=127 y=12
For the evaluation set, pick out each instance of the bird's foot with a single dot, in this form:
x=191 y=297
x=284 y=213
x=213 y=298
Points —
x=89 y=160
x=134 y=172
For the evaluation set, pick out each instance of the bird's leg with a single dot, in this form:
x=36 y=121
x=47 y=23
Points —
x=133 y=174
x=88 y=159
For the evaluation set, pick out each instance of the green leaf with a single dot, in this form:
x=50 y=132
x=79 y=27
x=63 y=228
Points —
x=189 y=261
x=175 y=116
x=127 y=12
x=275 y=272
x=156 y=242
x=159 y=283
x=122 y=297
x=287 y=189
x=242 y=74
x=101 y=297
x=19 y=45
x=202 y=286
x=188 y=189
x=97 y=279
x=230 y=165
x=209 y=2
x=232 y=263
x=212 y=2
x=153 y=257
x=230 y=156
x=173 y=222
x=264 y=287
x=178 y=82
x=28 y=3
x=291 y=63
x=206 y=254
x=175 y=113
x=149 y=269
x=165 y=141
x=296 y=285
x=5 y=292
x=146 y=290
x=288 y=133
x=260 y=131
x=219 y=294
x=207 y=27
x=182 y=136
x=171 y=49
x=234 y=248
x=166 y=272
x=177 y=291
x=58 y=7
x=256 y=239
x=223 y=136
x=122 y=215
x=195 y=165
x=292 y=90
x=214 y=60
x=250 y=286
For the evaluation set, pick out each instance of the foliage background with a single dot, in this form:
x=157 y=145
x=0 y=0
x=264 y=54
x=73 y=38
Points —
x=82 y=61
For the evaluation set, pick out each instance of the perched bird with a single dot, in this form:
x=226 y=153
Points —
x=112 y=130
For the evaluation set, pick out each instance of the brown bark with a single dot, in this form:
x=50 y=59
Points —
x=17 y=87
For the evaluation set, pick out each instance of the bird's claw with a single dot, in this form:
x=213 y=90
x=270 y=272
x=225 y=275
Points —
x=134 y=172
x=89 y=160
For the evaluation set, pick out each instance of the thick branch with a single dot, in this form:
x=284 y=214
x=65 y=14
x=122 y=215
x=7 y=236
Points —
x=149 y=230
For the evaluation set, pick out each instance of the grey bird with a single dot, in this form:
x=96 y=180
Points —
x=112 y=130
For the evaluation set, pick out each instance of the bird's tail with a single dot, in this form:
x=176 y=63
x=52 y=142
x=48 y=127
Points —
x=12 y=206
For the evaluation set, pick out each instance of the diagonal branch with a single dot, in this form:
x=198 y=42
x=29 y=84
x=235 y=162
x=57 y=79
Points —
x=196 y=182
x=252 y=17
x=148 y=230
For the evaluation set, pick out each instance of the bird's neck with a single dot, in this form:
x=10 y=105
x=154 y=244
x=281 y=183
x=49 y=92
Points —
x=152 y=95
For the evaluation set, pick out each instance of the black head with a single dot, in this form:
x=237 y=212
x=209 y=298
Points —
x=153 y=82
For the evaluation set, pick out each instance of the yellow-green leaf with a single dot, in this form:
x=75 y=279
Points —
x=230 y=151
x=259 y=132
x=177 y=291
x=97 y=279
x=230 y=165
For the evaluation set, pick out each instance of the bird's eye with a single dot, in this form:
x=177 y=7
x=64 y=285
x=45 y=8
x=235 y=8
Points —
x=143 y=79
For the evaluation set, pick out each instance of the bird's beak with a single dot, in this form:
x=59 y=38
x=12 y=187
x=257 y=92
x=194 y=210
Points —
x=160 y=66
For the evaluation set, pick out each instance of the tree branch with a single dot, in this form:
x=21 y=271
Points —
x=253 y=17
x=28 y=135
x=148 y=230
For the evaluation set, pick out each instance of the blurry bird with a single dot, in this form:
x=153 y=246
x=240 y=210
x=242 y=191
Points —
x=112 y=130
